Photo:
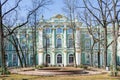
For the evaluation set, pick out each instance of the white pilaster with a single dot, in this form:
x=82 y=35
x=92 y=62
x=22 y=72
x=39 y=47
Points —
x=78 y=58
x=18 y=62
x=53 y=59
x=53 y=37
x=65 y=36
x=40 y=38
x=40 y=58
x=65 y=59
x=77 y=38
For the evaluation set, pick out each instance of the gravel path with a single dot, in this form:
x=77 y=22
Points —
x=30 y=71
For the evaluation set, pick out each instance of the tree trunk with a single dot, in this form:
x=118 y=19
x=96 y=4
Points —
x=17 y=51
x=92 y=58
x=3 y=63
x=98 y=59
x=114 y=48
x=75 y=65
x=105 y=47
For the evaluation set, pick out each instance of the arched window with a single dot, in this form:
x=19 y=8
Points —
x=70 y=43
x=59 y=43
x=71 y=58
x=59 y=30
x=59 y=58
x=48 y=58
x=69 y=31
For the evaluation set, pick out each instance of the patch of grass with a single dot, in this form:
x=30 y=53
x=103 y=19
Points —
x=63 y=77
x=39 y=66
x=83 y=66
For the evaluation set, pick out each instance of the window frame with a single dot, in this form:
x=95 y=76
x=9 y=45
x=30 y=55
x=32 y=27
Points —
x=71 y=62
x=58 y=42
x=68 y=31
x=59 y=32
x=59 y=59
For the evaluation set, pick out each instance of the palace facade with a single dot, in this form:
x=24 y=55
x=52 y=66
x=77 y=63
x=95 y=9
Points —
x=55 y=44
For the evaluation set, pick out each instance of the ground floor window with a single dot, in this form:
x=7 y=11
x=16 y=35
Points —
x=59 y=58
x=71 y=58
x=31 y=59
x=15 y=60
x=48 y=58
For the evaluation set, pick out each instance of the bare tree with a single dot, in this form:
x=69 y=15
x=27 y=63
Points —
x=114 y=12
x=3 y=19
x=101 y=17
x=92 y=28
x=35 y=23
x=70 y=9
x=108 y=15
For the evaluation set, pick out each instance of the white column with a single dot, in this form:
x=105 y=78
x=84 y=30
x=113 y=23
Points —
x=65 y=59
x=65 y=36
x=53 y=37
x=40 y=38
x=40 y=58
x=78 y=58
x=18 y=62
x=53 y=58
x=77 y=38
x=101 y=59
x=40 y=46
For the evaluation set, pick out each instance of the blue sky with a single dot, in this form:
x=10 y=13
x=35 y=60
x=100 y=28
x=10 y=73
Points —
x=25 y=6
x=55 y=8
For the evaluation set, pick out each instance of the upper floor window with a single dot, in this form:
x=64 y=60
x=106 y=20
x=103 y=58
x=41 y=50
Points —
x=87 y=35
x=48 y=30
x=70 y=43
x=69 y=31
x=95 y=35
x=87 y=44
x=48 y=42
x=59 y=43
x=59 y=30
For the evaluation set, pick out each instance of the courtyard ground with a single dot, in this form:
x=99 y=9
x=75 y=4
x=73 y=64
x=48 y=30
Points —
x=58 y=77
x=94 y=74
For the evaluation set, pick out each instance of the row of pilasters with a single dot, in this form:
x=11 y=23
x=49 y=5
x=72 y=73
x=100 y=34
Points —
x=77 y=45
x=53 y=58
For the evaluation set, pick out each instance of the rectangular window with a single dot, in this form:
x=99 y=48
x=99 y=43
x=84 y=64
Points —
x=59 y=43
x=47 y=43
x=87 y=44
x=69 y=31
x=70 y=43
x=48 y=30
x=87 y=36
x=59 y=30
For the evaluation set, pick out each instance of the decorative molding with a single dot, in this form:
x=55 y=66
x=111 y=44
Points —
x=40 y=51
x=65 y=28
x=78 y=51
x=59 y=36
x=53 y=28
x=65 y=51
x=77 y=28
x=40 y=29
